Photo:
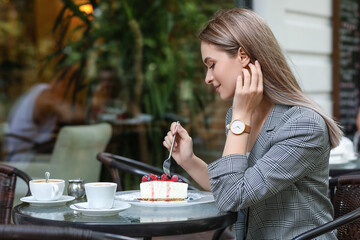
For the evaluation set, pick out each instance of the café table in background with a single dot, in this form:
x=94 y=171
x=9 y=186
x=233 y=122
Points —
x=346 y=167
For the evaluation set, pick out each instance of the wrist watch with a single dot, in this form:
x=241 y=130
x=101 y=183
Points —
x=238 y=127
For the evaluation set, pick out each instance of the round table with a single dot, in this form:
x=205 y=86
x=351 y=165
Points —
x=136 y=221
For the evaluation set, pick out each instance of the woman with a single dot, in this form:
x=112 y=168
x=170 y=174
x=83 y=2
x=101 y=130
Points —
x=274 y=168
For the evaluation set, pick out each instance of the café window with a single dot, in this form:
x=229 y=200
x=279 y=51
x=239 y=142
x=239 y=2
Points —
x=346 y=65
x=133 y=65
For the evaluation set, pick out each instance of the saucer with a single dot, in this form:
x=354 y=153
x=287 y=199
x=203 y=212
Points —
x=62 y=201
x=83 y=208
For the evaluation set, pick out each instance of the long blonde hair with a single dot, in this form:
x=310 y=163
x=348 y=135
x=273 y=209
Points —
x=231 y=29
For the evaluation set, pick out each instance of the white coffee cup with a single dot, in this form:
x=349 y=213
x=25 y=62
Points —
x=100 y=194
x=47 y=191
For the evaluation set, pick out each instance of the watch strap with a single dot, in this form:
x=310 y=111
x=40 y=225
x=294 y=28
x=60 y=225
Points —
x=247 y=128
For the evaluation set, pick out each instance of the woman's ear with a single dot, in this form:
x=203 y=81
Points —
x=243 y=57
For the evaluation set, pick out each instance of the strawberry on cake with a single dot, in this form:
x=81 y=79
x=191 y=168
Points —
x=154 y=188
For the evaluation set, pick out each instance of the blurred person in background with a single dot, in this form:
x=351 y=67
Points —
x=107 y=95
x=36 y=117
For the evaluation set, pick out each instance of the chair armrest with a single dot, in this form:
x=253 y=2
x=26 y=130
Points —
x=327 y=227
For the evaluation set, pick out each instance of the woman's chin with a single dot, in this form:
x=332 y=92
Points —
x=225 y=97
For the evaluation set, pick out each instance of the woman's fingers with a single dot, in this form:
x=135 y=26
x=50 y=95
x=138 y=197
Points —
x=167 y=141
x=246 y=78
x=254 y=77
x=170 y=136
x=251 y=79
x=173 y=127
x=260 y=82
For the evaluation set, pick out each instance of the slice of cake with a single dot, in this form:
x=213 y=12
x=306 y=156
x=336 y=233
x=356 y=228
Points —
x=154 y=188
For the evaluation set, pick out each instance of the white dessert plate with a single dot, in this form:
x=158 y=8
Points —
x=85 y=210
x=194 y=197
x=62 y=201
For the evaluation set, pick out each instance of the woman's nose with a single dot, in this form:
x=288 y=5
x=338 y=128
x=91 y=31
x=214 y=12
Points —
x=209 y=77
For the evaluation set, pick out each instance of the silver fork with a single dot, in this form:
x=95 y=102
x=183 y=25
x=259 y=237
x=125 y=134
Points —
x=167 y=162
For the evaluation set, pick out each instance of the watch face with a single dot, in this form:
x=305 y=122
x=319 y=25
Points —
x=237 y=127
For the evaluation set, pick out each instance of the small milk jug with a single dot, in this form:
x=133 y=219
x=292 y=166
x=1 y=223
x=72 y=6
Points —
x=76 y=188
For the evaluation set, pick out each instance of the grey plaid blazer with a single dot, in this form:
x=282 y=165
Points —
x=282 y=184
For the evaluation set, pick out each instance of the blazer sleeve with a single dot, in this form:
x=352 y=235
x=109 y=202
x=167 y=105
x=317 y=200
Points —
x=297 y=147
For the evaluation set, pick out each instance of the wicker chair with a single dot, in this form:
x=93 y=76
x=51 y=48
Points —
x=345 y=195
x=346 y=200
x=8 y=177
x=35 y=232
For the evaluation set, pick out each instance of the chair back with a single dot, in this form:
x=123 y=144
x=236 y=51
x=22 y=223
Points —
x=24 y=232
x=347 y=199
x=115 y=163
x=8 y=177
x=75 y=150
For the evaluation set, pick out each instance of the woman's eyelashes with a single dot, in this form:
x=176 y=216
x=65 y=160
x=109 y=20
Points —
x=212 y=66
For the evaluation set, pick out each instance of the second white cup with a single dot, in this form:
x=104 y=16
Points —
x=100 y=194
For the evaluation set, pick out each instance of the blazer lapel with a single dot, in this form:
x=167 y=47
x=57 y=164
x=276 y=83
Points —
x=266 y=132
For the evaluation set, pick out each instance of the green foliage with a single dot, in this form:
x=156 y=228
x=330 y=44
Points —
x=152 y=44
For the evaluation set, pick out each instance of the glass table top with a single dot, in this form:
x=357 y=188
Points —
x=136 y=220
x=134 y=214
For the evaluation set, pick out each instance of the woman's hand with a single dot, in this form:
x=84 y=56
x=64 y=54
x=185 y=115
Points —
x=183 y=146
x=184 y=156
x=248 y=92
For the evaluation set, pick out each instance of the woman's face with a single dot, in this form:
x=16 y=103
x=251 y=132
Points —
x=222 y=70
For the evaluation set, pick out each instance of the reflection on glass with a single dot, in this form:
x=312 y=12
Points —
x=35 y=118
x=135 y=66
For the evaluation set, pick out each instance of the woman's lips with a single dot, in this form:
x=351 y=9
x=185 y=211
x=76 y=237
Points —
x=217 y=88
